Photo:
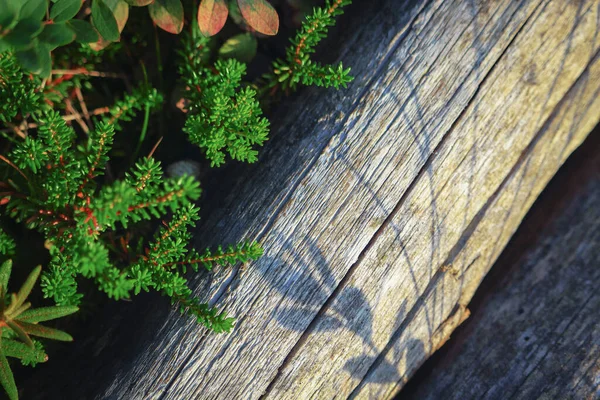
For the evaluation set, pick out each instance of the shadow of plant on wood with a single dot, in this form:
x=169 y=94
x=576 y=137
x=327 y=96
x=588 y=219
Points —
x=316 y=273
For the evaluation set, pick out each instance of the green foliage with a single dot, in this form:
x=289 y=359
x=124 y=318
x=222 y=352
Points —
x=107 y=218
x=52 y=184
x=297 y=67
x=17 y=94
x=224 y=119
x=224 y=115
x=104 y=21
x=7 y=244
x=18 y=322
x=66 y=205
x=241 y=47
x=258 y=15
x=53 y=180
x=33 y=28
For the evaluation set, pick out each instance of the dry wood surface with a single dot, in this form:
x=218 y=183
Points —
x=381 y=207
x=535 y=328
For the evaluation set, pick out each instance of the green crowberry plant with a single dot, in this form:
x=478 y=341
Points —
x=108 y=219
x=54 y=190
x=224 y=116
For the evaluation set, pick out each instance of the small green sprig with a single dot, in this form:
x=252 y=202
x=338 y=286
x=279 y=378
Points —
x=167 y=259
x=297 y=67
x=18 y=94
x=224 y=118
x=7 y=244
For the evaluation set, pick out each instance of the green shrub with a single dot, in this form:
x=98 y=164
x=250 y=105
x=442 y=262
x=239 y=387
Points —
x=108 y=218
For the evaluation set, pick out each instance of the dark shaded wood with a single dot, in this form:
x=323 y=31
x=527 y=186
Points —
x=534 y=331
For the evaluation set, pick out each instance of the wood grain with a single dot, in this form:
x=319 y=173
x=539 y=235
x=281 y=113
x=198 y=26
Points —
x=536 y=333
x=380 y=207
x=451 y=226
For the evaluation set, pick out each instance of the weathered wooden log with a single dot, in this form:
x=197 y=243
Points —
x=380 y=208
x=536 y=331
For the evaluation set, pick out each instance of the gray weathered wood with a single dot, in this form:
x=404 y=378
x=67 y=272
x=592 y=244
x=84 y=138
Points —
x=537 y=336
x=380 y=207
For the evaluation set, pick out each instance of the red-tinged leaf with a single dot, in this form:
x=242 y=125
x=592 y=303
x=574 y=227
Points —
x=99 y=44
x=47 y=313
x=167 y=14
x=18 y=329
x=212 y=15
x=120 y=10
x=7 y=379
x=139 y=3
x=44 y=331
x=260 y=16
x=25 y=290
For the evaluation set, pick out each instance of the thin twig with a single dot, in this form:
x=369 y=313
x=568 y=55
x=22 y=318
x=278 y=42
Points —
x=6 y=160
x=83 y=71
x=82 y=104
x=155 y=147
x=78 y=118
x=15 y=129
x=70 y=117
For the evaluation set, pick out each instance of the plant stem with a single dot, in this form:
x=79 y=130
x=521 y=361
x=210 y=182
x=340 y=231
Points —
x=143 y=133
x=146 y=119
x=161 y=83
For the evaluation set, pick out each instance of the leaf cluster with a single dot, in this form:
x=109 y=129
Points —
x=33 y=28
x=258 y=15
x=18 y=322
x=17 y=94
x=224 y=114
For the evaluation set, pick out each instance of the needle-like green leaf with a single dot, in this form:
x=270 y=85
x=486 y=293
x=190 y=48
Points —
x=25 y=290
x=18 y=311
x=5 y=270
x=20 y=332
x=44 y=331
x=47 y=313
x=16 y=349
x=7 y=379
